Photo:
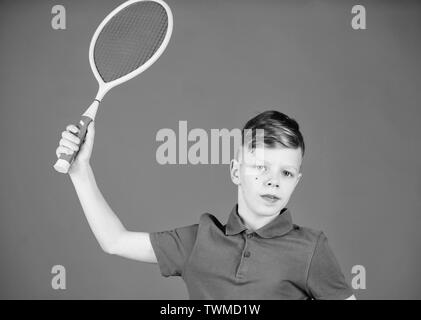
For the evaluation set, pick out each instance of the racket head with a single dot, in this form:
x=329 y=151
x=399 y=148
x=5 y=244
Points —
x=110 y=45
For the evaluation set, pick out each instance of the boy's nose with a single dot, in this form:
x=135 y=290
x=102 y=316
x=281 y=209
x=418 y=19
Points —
x=272 y=183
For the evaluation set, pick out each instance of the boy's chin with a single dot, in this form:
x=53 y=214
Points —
x=265 y=210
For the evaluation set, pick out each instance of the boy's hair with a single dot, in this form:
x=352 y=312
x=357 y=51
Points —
x=277 y=128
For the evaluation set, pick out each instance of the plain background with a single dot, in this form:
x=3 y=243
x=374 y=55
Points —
x=355 y=93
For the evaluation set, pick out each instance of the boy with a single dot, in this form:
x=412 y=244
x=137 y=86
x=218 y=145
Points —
x=258 y=254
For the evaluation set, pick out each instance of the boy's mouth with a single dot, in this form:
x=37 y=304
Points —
x=270 y=198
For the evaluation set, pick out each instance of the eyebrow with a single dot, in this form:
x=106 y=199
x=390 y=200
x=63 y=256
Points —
x=282 y=166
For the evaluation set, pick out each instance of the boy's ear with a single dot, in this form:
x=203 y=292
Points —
x=235 y=171
x=300 y=175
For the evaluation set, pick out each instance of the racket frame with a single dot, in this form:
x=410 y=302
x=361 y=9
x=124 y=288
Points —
x=104 y=87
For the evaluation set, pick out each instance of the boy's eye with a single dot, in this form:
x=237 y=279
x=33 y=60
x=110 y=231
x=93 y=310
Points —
x=287 y=173
x=260 y=167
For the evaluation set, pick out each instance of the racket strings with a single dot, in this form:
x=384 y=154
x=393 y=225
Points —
x=130 y=39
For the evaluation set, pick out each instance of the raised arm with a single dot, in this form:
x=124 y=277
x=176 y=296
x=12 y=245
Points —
x=104 y=223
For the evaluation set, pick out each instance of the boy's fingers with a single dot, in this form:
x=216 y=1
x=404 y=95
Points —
x=62 y=149
x=69 y=144
x=72 y=128
x=69 y=136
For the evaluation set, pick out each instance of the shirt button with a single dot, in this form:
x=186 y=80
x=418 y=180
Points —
x=250 y=235
x=247 y=254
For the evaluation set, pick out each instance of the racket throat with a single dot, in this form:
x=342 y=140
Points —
x=92 y=110
x=102 y=90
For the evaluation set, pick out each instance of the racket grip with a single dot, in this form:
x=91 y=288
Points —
x=65 y=160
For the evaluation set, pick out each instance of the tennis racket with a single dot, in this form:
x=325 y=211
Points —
x=126 y=43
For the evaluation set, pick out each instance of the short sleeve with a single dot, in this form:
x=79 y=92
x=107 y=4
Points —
x=325 y=279
x=172 y=248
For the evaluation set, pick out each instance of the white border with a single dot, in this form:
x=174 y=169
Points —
x=105 y=86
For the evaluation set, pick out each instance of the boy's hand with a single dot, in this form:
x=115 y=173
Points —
x=70 y=143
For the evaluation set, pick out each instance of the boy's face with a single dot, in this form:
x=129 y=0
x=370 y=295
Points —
x=266 y=178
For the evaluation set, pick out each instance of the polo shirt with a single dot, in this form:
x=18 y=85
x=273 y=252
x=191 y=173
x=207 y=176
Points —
x=278 y=261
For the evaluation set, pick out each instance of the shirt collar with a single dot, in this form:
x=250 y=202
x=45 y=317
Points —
x=279 y=226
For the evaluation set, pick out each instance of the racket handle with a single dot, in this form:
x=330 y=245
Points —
x=65 y=160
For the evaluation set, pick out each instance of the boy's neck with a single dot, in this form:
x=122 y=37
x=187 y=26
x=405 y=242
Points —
x=251 y=220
